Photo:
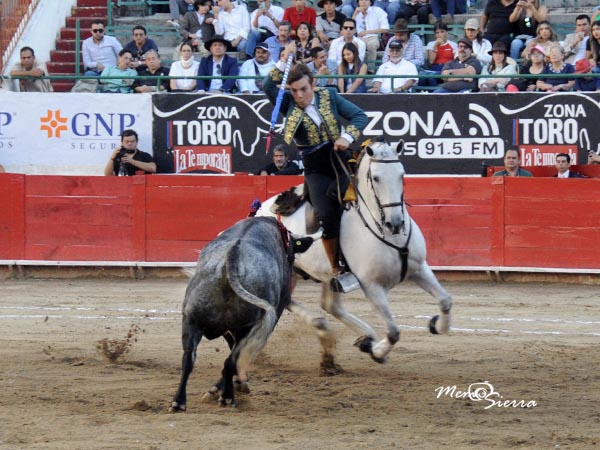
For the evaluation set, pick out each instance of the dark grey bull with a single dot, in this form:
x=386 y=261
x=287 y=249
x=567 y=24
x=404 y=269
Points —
x=241 y=285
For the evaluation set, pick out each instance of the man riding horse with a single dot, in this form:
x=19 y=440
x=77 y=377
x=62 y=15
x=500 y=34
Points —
x=313 y=122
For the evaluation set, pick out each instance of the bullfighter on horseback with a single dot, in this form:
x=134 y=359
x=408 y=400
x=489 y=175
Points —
x=313 y=122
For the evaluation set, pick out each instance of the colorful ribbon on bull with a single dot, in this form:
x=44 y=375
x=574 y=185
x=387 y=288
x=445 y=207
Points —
x=277 y=107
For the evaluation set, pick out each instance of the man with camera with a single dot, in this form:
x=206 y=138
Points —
x=128 y=159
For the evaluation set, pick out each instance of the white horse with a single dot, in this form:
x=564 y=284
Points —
x=382 y=246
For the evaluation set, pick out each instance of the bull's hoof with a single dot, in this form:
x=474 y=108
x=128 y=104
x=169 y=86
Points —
x=365 y=344
x=242 y=386
x=227 y=402
x=211 y=396
x=432 y=323
x=176 y=407
x=328 y=367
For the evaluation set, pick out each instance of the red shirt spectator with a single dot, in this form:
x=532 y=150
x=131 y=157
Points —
x=300 y=13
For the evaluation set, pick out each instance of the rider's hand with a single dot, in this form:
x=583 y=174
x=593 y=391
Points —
x=341 y=144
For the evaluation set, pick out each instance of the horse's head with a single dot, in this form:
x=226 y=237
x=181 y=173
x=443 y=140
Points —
x=381 y=176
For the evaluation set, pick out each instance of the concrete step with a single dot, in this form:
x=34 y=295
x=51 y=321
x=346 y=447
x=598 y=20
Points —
x=65 y=45
x=71 y=33
x=84 y=22
x=92 y=11
x=61 y=68
x=62 y=86
x=62 y=56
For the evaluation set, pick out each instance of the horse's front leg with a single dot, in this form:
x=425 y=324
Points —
x=377 y=295
x=426 y=279
x=332 y=303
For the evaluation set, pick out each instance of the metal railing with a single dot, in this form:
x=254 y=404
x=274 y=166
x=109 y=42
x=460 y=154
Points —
x=14 y=15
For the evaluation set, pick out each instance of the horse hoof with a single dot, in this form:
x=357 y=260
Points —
x=432 y=323
x=211 y=396
x=329 y=368
x=176 y=407
x=365 y=344
x=377 y=359
x=227 y=402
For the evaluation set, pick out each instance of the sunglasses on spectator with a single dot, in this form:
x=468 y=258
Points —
x=97 y=30
x=348 y=28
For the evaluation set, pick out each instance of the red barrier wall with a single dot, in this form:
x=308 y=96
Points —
x=496 y=221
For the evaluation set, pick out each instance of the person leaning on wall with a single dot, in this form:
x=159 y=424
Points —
x=127 y=159
x=2 y=169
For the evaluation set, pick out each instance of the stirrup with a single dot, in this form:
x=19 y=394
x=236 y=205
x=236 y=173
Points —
x=344 y=283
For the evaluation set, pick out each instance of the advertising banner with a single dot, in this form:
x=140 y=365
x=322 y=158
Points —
x=450 y=134
x=68 y=133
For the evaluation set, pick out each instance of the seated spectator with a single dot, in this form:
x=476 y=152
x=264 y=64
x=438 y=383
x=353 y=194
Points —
x=481 y=46
x=438 y=53
x=495 y=21
x=563 y=167
x=305 y=42
x=371 y=22
x=122 y=69
x=232 y=22
x=545 y=38
x=259 y=65
x=450 y=7
x=348 y=35
x=150 y=71
x=464 y=64
x=419 y=8
x=593 y=157
x=391 y=8
x=526 y=16
x=128 y=159
x=264 y=21
x=299 y=13
x=30 y=67
x=586 y=84
x=99 y=51
x=412 y=43
x=217 y=64
x=556 y=66
x=596 y=14
x=592 y=49
x=178 y=9
x=280 y=165
x=140 y=44
x=198 y=26
x=576 y=43
x=498 y=66
x=278 y=43
x=535 y=65
x=351 y=65
x=186 y=66
x=405 y=70
x=329 y=22
x=320 y=65
x=512 y=161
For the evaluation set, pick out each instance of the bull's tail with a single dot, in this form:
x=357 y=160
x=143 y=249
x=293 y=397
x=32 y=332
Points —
x=254 y=342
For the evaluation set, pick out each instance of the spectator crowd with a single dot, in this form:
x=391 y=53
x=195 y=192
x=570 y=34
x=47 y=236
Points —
x=226 y=49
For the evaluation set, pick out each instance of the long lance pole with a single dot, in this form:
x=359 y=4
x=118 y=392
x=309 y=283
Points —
x=277 y=108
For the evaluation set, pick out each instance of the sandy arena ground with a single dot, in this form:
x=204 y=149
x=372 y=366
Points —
x=532 y=342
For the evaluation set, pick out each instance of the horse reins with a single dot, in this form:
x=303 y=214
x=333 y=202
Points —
x=402 y=251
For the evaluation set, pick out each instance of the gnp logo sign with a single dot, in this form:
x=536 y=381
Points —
x=6 y=141
x=83 y=124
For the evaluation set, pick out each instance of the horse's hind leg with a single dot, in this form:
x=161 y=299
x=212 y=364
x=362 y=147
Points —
x=191 y=337
x=426 y=279
x=325 y=335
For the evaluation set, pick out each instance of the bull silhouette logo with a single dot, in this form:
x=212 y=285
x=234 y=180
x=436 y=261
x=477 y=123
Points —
x=218 y=120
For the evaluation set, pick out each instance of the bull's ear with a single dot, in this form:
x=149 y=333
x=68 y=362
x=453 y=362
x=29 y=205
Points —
x=400 y=147
x=369 y=150
x=302 y=244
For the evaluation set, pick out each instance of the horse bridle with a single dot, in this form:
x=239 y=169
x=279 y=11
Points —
x=402 y=251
